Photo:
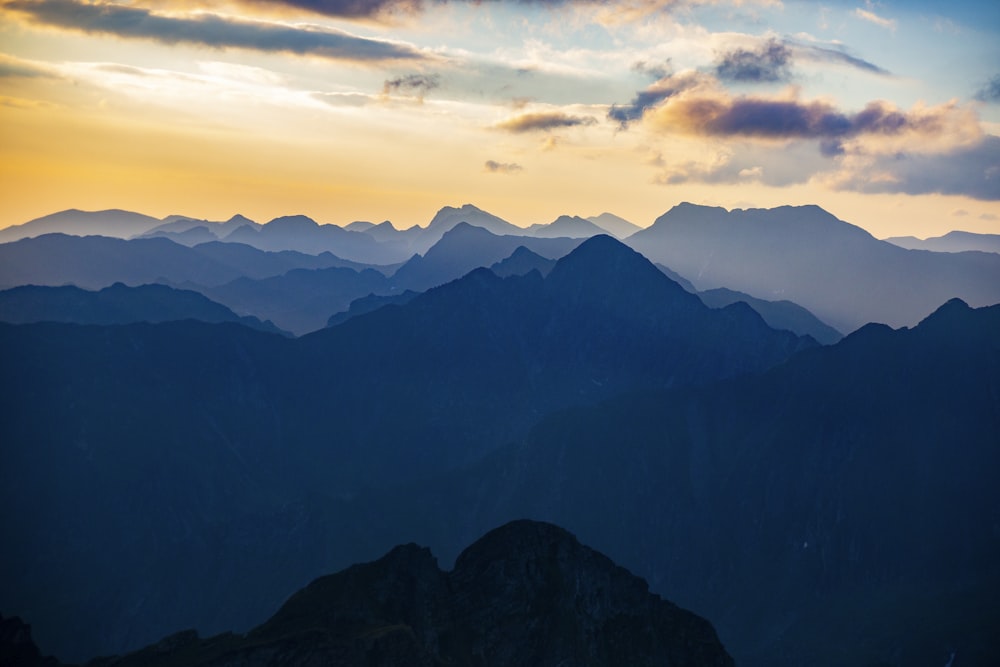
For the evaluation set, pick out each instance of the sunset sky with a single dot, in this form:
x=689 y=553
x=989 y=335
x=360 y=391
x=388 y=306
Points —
x=887 y=114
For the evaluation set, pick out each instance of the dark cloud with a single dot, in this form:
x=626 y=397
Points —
x=366 y=9
x=495 y=167
x=755 y=117
x=655 y=70
x=418 y=84
x=972 y=171
x=543 y=122
x=990 y=92
x=771 y=62
x=209 y=30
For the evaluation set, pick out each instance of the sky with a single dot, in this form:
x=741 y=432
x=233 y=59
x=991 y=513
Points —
x=886 y=114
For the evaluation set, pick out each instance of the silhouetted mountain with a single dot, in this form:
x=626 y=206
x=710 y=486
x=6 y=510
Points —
x=521 y=262
x=117 y=304
x=448 y=217
x=566 y=226
x=303 y=234
x=950 y=242
x=371 y=303
x=778 y=314
x=677 y=278
x=837 y=271
x=300 y=300
x=614 y=225
x=182 y=473
x=466 y=247
x=94 y=262
x=116 y=223
x=527 y=593
x=359 y=226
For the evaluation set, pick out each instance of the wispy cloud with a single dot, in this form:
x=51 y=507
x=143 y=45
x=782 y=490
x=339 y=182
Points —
x=872 y=17
x=416 y=84
x=210 y=30
x=543 y=121
x=495 y=167
x=12 y=67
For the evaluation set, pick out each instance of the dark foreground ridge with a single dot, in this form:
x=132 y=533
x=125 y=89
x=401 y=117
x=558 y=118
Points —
x=527 y=593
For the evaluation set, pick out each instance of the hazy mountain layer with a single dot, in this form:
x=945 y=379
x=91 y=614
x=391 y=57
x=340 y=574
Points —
x=950 y=242
x=837 y=271
x=117 y=223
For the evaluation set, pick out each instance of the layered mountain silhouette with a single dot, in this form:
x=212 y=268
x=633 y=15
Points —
x=113 y=222
x=190 y=232
x=465 y=247
x=232 y=428
x=837 y=271
x=303 y=234
x=93 y=262
x=527 y=593
x=117 y=304
x=956 y=241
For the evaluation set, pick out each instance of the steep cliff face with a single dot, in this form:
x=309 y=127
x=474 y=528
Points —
x=527 y=593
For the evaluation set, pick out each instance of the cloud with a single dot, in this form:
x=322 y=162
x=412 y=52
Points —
x=417 y=84
x=990 y=92
x=960 y=213
x=543 y=121
x=872 y=17
x=973 y=171
x=663 y=89
x=835 y=56
x=988 y=216
x=209 y=30
x=771 y=62
x=12 y=67
x=495 y=167
x=694 y=104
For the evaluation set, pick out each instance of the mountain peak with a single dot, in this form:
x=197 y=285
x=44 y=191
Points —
x=239 y=219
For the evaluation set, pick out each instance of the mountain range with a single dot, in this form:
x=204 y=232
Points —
x=822 y=500
x=951 y=242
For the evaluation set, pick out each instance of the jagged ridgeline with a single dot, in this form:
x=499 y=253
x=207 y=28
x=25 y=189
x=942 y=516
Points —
x=527 y=593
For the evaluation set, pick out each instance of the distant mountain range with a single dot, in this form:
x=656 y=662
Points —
x=527 y=593
x=838 y=272
x=950 y=242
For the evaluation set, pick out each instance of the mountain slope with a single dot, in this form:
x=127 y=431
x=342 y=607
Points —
x=117 y=304
x=566 y=226
x=778 y=314
x=837 y=271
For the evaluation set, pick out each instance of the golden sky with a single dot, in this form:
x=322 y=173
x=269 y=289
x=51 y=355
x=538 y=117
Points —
x=885 y=114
